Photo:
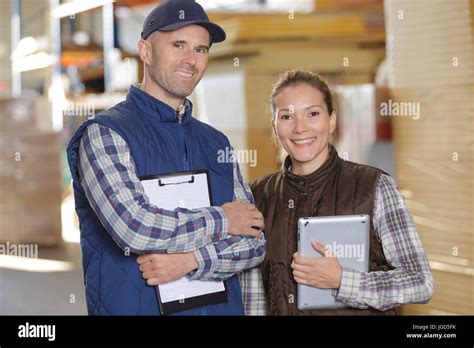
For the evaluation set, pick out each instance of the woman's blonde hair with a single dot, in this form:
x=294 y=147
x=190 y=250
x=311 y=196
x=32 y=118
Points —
x=302 y=77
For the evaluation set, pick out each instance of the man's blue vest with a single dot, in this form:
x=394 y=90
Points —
x=158 y=145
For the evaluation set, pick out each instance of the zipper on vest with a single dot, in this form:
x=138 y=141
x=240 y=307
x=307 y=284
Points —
x=185 y=159
x=182 y=143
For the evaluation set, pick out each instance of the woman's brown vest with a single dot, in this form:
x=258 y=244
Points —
x=338 y=187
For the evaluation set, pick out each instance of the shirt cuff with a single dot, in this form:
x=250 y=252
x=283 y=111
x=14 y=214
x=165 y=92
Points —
x=207 y=260
x=350 y=284
x=217 y=222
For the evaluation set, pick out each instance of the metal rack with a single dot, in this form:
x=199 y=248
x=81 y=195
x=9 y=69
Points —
x=57 y=11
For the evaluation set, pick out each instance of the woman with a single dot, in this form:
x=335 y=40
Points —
x=315 y=181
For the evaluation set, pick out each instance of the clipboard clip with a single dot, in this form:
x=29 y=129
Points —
x=190 y=181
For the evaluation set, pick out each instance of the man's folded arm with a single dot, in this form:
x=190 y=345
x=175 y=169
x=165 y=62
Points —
x=223 y=259
x=108 y=175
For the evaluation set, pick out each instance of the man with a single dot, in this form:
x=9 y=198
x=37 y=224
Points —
x=153 y=132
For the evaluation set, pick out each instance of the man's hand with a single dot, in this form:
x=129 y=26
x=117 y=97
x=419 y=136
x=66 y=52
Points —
x=324 y=273
x=164 y=268
x=242 y=217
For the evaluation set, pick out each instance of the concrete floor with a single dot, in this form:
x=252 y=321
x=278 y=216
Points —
x=45 y=293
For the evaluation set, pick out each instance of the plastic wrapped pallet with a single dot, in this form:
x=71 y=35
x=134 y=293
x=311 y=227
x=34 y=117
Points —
x=30 y=177
x=355 y=121
x=430 y=59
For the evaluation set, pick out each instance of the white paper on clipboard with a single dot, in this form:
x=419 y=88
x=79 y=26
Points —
x=190 y=191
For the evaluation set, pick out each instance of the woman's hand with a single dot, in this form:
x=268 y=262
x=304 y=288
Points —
x=322 y=272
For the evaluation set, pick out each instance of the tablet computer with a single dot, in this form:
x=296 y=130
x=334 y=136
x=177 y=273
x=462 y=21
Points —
x=345 y=237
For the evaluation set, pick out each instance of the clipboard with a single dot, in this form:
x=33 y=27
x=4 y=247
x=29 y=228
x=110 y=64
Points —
x=190 y=190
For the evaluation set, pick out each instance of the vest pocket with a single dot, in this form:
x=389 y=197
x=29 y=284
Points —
x=220 y=176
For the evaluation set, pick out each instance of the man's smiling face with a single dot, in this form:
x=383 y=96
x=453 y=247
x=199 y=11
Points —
x=178 y=60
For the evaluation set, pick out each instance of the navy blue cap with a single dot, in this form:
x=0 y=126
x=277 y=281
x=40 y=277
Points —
x=175 y=14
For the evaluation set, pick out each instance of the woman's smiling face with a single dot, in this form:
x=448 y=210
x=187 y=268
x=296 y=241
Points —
x=303 y=126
